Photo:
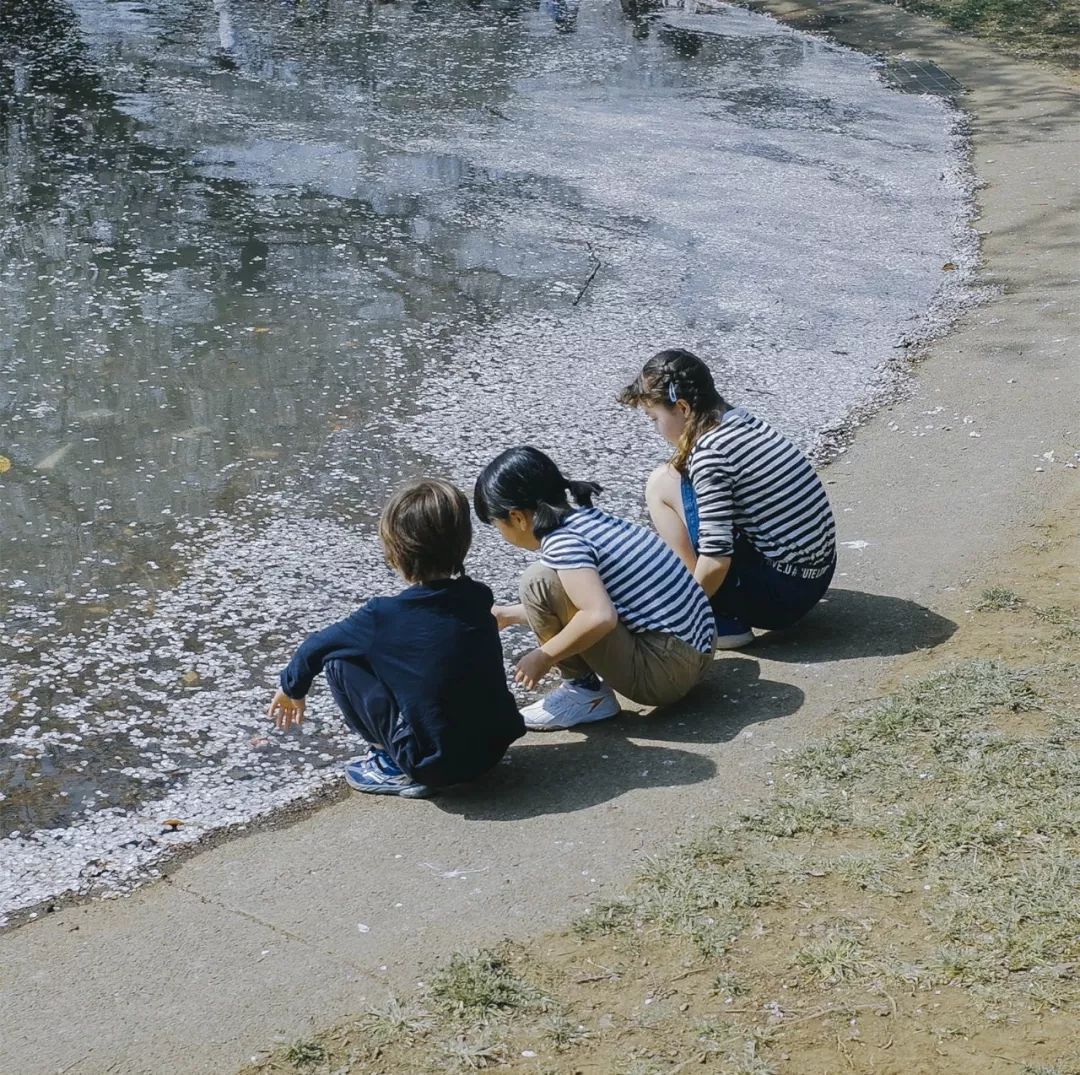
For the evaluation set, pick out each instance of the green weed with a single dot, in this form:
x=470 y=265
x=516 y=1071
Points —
x=999 y=599
x=306 y=1054
x=479 y=984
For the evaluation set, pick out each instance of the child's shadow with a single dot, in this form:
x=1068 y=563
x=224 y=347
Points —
x=731 y=696
x=560 y=772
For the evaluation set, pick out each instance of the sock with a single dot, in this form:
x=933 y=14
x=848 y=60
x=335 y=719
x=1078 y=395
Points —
x=591 y=682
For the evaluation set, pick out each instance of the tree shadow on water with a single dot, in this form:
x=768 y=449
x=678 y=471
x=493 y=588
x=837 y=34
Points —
x=560 y=772
x=848 y=624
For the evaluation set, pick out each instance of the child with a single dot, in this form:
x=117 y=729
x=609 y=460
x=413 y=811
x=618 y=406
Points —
x=739 y=503
x=420 y=675
x=611 y=605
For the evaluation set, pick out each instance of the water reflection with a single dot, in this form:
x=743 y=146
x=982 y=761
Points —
x=563 y=13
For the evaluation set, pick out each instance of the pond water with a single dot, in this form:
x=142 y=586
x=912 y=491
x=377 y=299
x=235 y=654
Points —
x=262 y=261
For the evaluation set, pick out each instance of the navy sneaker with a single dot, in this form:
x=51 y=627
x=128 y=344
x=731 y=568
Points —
x=377 y=774
x=732 y=634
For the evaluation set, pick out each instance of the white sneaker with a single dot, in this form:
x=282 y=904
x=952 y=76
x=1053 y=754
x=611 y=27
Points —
x=732 y=634
x=569 y=705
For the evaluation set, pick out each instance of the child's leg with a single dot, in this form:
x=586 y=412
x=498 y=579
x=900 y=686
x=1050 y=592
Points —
x=664 y=497
x=549 y=610
x=648 y=667
x=367 y=706
x=760 y=596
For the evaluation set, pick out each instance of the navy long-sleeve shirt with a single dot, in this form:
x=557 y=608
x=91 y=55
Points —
x=435 y=648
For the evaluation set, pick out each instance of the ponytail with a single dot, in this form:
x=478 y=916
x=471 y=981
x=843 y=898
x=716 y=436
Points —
x=526 y=479
x=583 y=492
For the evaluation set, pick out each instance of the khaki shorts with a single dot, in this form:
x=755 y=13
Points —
x=648 y=667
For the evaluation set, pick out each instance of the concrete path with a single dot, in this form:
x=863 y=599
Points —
x=261 y=938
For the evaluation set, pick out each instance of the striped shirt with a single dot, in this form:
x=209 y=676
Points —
x=749 y=478
x=648 y=584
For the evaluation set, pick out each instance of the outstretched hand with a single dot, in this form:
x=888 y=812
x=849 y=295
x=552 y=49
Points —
x=532 y=668
x=509 y=616
x=285 y=711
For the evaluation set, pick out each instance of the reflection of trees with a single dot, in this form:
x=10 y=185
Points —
x=140 y=277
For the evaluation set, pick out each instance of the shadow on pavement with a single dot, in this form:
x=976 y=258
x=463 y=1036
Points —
x=849 y=624
x=548 y=777
x=730 y=697
x=559 y=772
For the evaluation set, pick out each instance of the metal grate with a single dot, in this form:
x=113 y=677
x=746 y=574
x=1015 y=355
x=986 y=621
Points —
x=921 y=76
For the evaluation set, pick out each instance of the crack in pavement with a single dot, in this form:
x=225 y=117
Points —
x=281 y=931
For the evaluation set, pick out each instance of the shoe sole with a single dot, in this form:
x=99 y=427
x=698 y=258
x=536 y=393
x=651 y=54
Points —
x=734 y=641
x=565 y=727
x=417 y=791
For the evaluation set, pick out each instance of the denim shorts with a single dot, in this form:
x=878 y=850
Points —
x=757 y=591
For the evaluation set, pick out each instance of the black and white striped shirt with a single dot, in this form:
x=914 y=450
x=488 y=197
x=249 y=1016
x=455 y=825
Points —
x=648 y=584
x=750 y=478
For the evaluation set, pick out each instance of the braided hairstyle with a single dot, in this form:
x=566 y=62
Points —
x=668 y=377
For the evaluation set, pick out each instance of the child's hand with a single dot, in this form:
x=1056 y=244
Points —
x=509 y=616
x=532 y=668
x=285 y=711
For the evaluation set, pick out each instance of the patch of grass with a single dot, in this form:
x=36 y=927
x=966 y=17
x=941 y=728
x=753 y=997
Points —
x=463 y=1054
x=1066 y=619
x=868 y=872
x=999 y=599
x=1044 y=29
x=479 y=984
x=394 y=1021
x=605 y=918
x=306 y=1054
x=698 y=892
x=726 y=984
x=835 y=958
x=747 y=1061
x=809 y=813
x=738 y=1049
x=962 y=966
x=564 y=1033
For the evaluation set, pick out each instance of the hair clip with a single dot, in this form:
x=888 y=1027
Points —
x=672 y=392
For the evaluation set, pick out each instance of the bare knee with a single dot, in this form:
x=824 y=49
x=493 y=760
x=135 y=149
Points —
x=663 y=485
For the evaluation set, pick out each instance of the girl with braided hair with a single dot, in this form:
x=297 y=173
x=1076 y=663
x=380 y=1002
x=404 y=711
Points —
x=612 y=607
x=738 y=502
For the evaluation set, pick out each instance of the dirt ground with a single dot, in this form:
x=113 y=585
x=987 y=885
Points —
x=905 y=902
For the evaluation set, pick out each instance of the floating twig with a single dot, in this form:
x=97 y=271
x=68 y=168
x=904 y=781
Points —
x=595 y=270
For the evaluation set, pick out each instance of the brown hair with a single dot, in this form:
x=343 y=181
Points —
x=426 y=530
x=668 y=377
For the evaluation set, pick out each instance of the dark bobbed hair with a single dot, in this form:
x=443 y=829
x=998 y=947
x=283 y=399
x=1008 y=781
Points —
x=528 y=480
x=673 y=375
x=426 y=530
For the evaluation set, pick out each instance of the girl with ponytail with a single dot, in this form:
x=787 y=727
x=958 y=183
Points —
x=612 y=607
x=738 y=502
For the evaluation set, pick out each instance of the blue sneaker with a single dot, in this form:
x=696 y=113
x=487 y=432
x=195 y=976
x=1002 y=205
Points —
x=377 y=774
x=732 y=634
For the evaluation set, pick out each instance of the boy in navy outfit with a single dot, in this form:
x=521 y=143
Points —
x=419 y=675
